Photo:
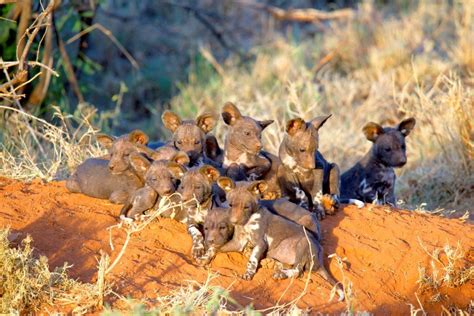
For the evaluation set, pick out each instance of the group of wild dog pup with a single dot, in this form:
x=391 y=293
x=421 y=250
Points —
x=243 y=196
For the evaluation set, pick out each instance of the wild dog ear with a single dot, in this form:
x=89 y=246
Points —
x=372 y=131
x=406 y=126
x=211 y=173
x=225 y=183
x=137 y=136
x=181 y=158
x=206 y=121
x=230 y=113
x=170 y=120
x=258 y=187
x=139 y=163
x=264 y=123
x=176 y=169
x=105 y=140
x=319 y=121
x=294 y=125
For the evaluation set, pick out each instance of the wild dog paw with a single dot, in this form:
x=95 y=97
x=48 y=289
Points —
x=126 y=219
x=248 y=275
x=198 y=251
x=330 y=204
x=202 y=262
x=279 y=275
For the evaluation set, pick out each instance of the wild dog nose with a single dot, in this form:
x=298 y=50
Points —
x=168 y=191
x=258 y=147
x=211 y=239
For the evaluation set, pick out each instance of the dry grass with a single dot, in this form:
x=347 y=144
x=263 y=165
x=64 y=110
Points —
x=27 y=285
x=377 y=68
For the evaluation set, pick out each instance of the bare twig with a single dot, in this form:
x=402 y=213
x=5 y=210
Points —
x=111 y=36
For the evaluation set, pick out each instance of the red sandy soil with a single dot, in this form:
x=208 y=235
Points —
x=382 y=247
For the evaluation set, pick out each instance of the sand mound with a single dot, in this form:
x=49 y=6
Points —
x=384 y=250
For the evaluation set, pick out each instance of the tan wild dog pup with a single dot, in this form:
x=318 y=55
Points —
x=161 y=178
x=191 y=136
x=199 y=191
x=112 y=179
x=304 y=175
x=244 y=158
x=271 y=236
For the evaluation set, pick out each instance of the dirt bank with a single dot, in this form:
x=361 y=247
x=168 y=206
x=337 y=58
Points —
x=383 y=251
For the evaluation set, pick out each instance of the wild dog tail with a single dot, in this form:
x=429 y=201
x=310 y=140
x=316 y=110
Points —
x=326 y=276
x=355 y=202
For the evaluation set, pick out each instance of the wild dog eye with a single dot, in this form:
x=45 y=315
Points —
x=388 y=149
x=222 y=227
x=302 y=150
x=205 y=228
x=231 y=205
x=179 y=142
x=247 y=133
x=197 y=142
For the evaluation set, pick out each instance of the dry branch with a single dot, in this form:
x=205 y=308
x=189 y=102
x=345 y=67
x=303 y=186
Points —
x=308 y=15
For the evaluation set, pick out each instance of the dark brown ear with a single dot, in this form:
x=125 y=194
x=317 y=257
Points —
x=170 y=120
x=258 y=187
x=206 y=122
x=105 y=140
x=406 y=126
x=211 y=148
x=294 y=125
x=137 y=136
x=176 y=169
x=225 y=183
x=211 y=173
x=265 y=123
x=181 y=158
x=319 y=121
x=230 y=113
x=139 y=163
x=372 y=131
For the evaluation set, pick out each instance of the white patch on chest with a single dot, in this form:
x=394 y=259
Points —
x=243 y=159
x=289 y=161
x=365 y=187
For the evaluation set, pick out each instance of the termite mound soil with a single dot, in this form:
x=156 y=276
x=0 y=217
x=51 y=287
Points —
x=383 y=251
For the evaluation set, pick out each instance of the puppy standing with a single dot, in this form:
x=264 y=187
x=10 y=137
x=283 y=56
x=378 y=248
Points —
x=244 y=158
x=372 y=179
x=304 y=175
x=199 y=192
x=112 y=179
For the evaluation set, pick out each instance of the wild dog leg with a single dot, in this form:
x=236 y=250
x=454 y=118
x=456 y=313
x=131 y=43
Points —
x=252 y=265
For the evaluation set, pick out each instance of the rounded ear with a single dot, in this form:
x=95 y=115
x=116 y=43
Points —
x=139 y=163
x=170 y=120
x=137 y=136
x=319 y=121
x=206 y=122
x=265 y=123
x=372 y=131
x=105 y=140
x=225 y=183
x=211 y=173
x=230 y=113
x=294 y=125
x=258 y=187
x=406 y=126
x=176 y=169
x=181 y=158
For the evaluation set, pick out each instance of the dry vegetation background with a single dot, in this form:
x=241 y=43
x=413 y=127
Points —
x=382 y=62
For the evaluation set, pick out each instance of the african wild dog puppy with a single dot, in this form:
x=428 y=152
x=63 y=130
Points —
x=161 y=177
x=238 y=195
x=270 y=236
x=200 y=194
x=112 y=178
x=304 y=175
x=191 y=136
x=372 y=179
x=244 y=158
